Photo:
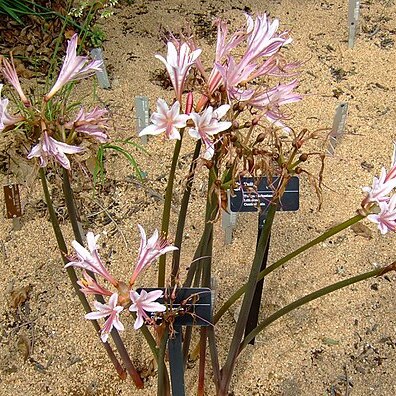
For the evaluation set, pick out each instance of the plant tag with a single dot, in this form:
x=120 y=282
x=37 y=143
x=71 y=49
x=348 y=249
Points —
x=353 y=16
x=142 y=115
x=13 y=201
x=194 y=305
x=103 y=78
x=337 y=131
x=252 y=194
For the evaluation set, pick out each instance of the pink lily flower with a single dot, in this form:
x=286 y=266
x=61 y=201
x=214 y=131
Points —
x=149 y=251
x=110 y=310
x=89 y=286
x=92 y=123
x=178 y=62
x=262 y=42
x=143 y=303
x=74 y=67
x=5 y=118
x=11 y=75
x=166 y=120
x=207 y=124
x=386 y=219
x=381 y=187
x=223 y=49
x=89 y=259
x=274 y=98
x=49 y=147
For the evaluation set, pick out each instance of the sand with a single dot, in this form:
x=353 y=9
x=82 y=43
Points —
x=343 y=344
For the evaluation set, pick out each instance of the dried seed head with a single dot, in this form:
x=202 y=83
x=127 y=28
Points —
x=235 y=124
x=303 y=157
x=260 y=138
x=298 y=170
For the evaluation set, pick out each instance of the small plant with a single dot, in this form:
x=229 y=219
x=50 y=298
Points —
x=49 y=128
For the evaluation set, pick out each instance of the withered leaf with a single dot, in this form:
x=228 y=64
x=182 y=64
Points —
x=362 y=230
x=19 y=296
x=24 y=346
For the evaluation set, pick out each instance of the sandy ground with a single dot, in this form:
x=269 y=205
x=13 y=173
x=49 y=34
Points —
x=343 y=344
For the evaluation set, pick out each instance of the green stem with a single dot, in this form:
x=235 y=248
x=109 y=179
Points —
x=183 y=214
x=72 y=274
x=163 y=381
x=149 y=338
x=306 y=299
x=229 y=365
x=335 y=230
x=197 y=257
x=71 y=207
x=74 y=220
x=202 y=360
x=167 y=209
x=214 y=355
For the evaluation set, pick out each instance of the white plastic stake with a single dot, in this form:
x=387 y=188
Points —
x=338 y=129
x=142 y=115
x=228 y=222
x=103 y=78
x=353 y=16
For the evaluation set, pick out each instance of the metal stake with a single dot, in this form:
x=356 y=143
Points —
x=353 y=16
x=142 y=115
x=337 y=131
x=103 y=78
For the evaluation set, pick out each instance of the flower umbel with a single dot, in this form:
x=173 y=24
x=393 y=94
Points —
x=166 y=120
x=149 y=251
x=74 y=67
x=143 y=303
x=48 y=148
x=112 y=310
x=90 y=260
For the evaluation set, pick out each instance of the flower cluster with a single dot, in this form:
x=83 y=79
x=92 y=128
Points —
x=58 y=128
x=126 y=296
x=379 y=194
x=239 y=80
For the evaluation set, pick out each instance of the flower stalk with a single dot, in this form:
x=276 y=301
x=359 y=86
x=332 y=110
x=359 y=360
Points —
x=74 y=220
x=310 y=297
x=183 y=214
x=167 y=208
x=226 y=371
x=327 y=234
x=71 y=272
x=163 y=378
